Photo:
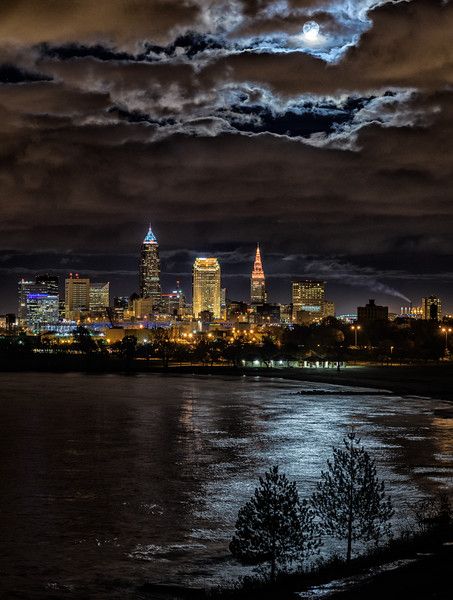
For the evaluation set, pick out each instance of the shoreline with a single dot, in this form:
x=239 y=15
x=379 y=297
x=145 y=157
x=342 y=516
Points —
x=430 y=381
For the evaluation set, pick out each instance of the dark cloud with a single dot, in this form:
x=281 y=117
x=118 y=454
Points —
x=221 y=125
x=12 y=74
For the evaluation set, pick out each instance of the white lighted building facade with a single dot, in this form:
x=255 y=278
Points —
x=42 y=310
x=206 y=287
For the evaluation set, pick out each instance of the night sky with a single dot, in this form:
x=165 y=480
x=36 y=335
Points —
x=224 y=124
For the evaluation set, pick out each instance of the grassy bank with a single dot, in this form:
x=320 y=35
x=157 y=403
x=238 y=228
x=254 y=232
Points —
x=417 y=568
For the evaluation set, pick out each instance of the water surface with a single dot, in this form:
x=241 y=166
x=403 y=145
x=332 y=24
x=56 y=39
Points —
x=108 y=481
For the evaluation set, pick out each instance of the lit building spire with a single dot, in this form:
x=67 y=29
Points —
x=150 y=238
x=258 y=280
x=258 y=265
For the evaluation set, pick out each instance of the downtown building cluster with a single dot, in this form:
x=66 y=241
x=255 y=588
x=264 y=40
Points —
x=210 y=302
x=41 y=306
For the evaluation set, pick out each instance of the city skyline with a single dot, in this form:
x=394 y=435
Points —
x=359 y=293
x=150 y=287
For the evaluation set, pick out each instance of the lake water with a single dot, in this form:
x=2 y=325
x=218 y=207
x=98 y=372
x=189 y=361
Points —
x=108 y=481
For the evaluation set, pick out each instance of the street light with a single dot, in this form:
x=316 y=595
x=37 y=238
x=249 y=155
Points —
x=355 y=329
x=446 y=330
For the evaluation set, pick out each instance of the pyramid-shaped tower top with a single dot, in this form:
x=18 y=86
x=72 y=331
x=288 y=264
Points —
x=258 y=265
x=150 y=237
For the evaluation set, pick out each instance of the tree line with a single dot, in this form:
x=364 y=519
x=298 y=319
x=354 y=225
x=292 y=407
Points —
x=400 y=340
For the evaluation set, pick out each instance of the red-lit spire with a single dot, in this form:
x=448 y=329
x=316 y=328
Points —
x=258 y=281
x=258 y=272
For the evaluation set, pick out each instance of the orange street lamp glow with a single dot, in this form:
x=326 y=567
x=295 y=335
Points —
x=446 y=330
x=355 y=329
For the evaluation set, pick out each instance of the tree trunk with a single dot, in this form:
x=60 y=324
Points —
x=273 y=568
x=349 y=550
x=350 y=520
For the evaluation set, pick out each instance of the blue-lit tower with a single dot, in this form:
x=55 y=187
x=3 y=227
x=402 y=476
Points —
x=150 y=269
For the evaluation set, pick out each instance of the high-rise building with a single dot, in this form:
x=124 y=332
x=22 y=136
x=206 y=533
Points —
x=432 y=308
x=76 y=296
x=47 y=284
x=25 y=287
x=142 y=308
x=206 y=287
x=43 y=284
x=42 y=309
x=258 y=280
x=150 y=269
x=174 y=304
x=99 y=298
x=120 y=307
x=308 y=297
x=328 y=309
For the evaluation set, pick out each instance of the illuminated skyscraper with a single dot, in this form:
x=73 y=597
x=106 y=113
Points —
x=258 y=280
x=25 y=287
x=46 y=285
x=206 y=287
x=308 y=296
x=432 y=308
x=42 y=310
x=76 y=296
x=150 y=269
x=99 y=298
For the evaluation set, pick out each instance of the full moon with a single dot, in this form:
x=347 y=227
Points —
x=311 y=31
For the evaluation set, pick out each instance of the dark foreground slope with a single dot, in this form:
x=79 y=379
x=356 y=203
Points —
x=428 y=578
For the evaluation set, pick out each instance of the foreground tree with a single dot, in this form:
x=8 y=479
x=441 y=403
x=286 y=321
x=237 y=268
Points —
x=128 y=347
x=433 y=514
x=82 y=337
x=163 y=345
x=350 y=500
x=274 y=526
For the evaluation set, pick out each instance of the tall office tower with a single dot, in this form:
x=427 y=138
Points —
x=150 y=269
x=76 y=296
x=42 y=310
x=206 y=287
x=258 y=280
x=308 y=297
x=174 y=303
x=47 y=284
x=432 y=308
x=25 y=287
x=99 y=298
